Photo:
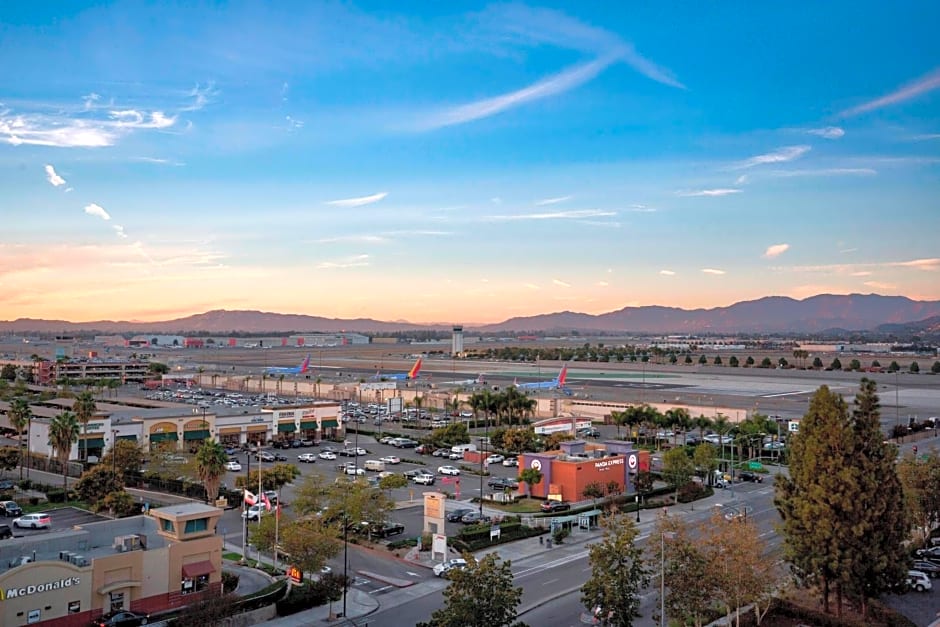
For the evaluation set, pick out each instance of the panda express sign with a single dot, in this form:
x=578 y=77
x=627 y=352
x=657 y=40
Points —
x=25 y=591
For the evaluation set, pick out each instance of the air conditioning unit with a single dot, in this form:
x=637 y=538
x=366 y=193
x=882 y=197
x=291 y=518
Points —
x=78 y=560
x=65 y=556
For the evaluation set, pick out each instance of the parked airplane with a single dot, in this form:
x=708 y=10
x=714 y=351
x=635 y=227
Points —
x=480 y=380
x=400 y=376
x=301 y=369
x=558 y=383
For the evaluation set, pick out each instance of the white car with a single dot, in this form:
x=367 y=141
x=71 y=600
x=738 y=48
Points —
x=510 y=462
x=424 y=479
x=233 y=465
x=441 y=569
x=448 y=470
x=390 y=459
x=466 y=414
x=327 y=455
x=33 y=521
x=495 y=459
x=385 y=473
x=307 y=458
x=353 y=470
x=255 y=512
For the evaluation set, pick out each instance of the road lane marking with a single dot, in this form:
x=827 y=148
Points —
x=382 y=589
x=412 y=574
x=786 y=394
x=550 y=582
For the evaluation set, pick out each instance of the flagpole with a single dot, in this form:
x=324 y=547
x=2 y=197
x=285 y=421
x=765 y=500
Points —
x=245 y=509
x=277 y=523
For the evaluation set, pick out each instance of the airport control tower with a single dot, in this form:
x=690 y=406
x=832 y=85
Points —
x=456 y=348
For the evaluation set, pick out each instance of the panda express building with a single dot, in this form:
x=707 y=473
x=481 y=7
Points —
x=146 y=564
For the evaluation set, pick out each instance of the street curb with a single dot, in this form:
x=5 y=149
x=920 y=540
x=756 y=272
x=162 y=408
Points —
x=392 y=581
x=541 y=602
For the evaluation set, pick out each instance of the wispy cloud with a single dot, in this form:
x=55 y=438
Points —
x=827 y=132
x=577 y=214
x=90 y=100
x=158 y=161
x=531 y=286
x=355 y=261
x=825 y=172
x=555 y=84
x=602 y=284
x=201 y=96
x=741 y=180
x=363 y=239
x=845 y=251
x=922 y=85
x=638 y=208
x=54 y=179
x=552 y=201
x=722 y=191
x=931 y=264
x=925 y=137
x=97 y=211
x=91 y=128
x=713 y=271
x=358 y=202
x=776 y=250
x=119 y=230
x=667 y=273
x=560 y=283
x=861 y=273
x=787 y=153
x=878 y=285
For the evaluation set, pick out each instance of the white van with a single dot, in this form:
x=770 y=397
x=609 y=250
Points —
x=463 y=448
x=374 y=464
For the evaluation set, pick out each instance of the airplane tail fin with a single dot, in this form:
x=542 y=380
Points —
x=562 y=376
x=413 y=373
x=305 y=365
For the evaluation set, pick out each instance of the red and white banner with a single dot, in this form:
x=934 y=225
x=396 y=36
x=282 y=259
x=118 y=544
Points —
x=250 y=498
x=266 y=501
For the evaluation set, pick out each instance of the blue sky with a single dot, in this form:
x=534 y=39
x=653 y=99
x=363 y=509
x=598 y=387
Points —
x=463 y=162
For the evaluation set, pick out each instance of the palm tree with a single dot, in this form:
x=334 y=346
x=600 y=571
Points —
x=20 y=414
x=84 y=408
x=210 y=466
x=702 y=422
x=63 y=432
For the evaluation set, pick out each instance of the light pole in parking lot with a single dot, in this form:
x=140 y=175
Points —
x=662 y=574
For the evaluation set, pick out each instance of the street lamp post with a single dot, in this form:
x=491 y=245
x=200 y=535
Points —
x=113 y=449
x=345 y=560
x=662 y=575
x=897 y=408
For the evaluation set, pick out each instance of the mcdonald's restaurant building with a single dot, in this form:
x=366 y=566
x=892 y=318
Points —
x=161 y=561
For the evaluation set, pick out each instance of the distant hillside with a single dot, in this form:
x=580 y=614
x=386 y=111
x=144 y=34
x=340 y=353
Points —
x=928 y=328
x=773 y=314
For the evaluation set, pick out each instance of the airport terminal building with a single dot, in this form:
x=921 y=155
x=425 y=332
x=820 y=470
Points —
x=161 y=561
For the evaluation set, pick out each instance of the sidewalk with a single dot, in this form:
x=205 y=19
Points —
x=358 y=603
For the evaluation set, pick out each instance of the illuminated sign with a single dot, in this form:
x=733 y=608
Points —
x=25 y=591
x=606 y=464
x=295 y=574
x=536 y=465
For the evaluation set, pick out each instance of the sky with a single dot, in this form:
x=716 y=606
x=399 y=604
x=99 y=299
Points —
x=463 y=162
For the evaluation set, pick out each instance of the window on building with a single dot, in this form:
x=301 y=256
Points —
x=199 y=524
x=117 y=601
x=167 y=525
x=194 y=584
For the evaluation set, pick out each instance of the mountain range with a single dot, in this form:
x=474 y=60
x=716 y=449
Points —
x=772 y=314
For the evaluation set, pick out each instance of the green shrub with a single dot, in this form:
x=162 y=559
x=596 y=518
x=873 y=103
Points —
x=400 y=544
x=229 y=581
x=312 y=594
x=25 y=484
x=56 y=496
x=560 y=534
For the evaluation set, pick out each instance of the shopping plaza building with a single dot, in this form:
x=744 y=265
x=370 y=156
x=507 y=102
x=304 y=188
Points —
x=163 y=560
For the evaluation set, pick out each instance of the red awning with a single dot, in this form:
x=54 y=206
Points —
x=197 y=569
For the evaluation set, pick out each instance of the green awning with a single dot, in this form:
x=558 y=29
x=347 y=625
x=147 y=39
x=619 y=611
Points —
x=201 y=434
x=286 y=427
x=308 y=424
x=164 y=437
x=132 y=438
x=91 y=443
x=329 y=424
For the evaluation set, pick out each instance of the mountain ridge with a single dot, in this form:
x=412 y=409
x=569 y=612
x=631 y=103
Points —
x=769 y=314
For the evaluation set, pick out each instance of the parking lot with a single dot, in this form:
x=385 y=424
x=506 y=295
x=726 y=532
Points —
x=62 y=518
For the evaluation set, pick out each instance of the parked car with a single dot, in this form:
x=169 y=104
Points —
x=255 y=512
x=495 y=458
x=233 y=466
x=121 y=618
x=589 y=432
x=918 y=581
x=926 y=566
x=457 y=514
x=502 y=483
x=309 y=442
x=441 y=452
x=448 y=470
x=10 y=509
x=746 y=475
x=390 y=459
x=774 y=446
x=5 y=532
x=327 y=455
x=380 y=530
x=555 y=506
x=265 y=456
x=231 y=450
x=282 y=444
x=407 y=443
x=932 y=553
x=387 y=439
x=424 y=479
x=474 y=517
x=352 y=469
x=414 y=472
x=511 y=462
x=278 y=457
x=33 y=521
x=7 y=484
x=307 y=458
x=443 y=568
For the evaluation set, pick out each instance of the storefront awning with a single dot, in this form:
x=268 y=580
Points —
x=164 y=437
x=201 y=434
x=286 y=427
x=197 y=569
x=132 y=438
x=91 y=443
x=308 y=424
x=330 y=423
